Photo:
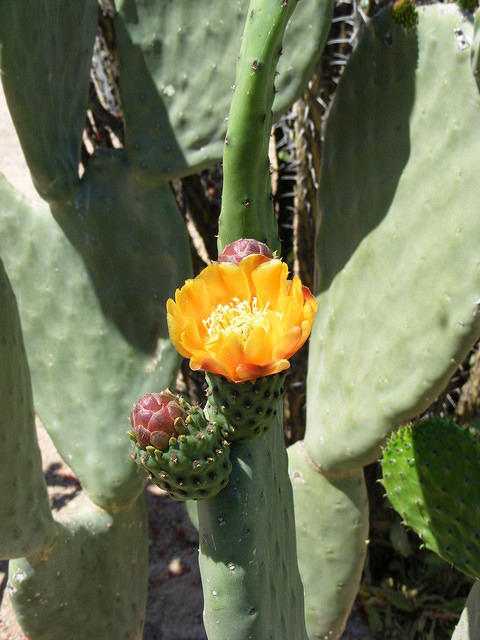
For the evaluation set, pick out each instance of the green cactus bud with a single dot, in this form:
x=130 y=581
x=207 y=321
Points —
x=192 y=466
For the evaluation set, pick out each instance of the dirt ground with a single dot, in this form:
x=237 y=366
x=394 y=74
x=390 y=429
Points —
x=174 y=579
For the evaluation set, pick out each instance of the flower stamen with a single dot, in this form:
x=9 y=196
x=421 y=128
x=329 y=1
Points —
x=237 y=316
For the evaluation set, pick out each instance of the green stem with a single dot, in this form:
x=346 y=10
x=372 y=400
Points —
x=247 y=208
x=248 y=558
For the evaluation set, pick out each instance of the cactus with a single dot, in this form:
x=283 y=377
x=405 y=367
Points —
x=94 y=323
x=396 y=276
x=436 y=493
x=396 y=208
x=27 y=524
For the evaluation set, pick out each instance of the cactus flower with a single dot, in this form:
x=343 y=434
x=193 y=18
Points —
x=241 y=320
x=156 y=418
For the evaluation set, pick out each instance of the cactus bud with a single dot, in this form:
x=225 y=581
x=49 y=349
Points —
x=156 y=418
x=236 y=251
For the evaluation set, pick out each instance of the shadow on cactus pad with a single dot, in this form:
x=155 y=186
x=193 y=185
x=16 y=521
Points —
x=430 y=473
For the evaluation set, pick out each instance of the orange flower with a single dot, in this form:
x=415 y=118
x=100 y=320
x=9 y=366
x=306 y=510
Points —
x=242 y=321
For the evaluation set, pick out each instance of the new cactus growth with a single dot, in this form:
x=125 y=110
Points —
x=184 y=453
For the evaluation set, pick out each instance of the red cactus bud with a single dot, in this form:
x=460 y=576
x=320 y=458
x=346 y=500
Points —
x=157 y=417
x=236 y=251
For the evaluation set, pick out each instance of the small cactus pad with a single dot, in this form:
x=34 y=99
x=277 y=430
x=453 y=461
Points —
x=196 y=465
x=26 y=522
x=398 y=207
x=245 y=410
x=46 y=57
x=91 y=584
x=177 y=69
x=430 y=473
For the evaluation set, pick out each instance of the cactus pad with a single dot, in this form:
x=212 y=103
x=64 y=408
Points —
x=46 y=56
x=92 y=583
x=331 y=518
x=245 y=409
x=87 y=355
x=196 y=465
x=435 y=492
x=26 y=522
x=404 y=189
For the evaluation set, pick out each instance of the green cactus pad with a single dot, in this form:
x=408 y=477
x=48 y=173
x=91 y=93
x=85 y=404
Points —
x=177 y=68
x=430 y=473
x=85 y=371
x=26 y=522
x=399 y=202
x=91 y=584
x=248 y=559
x=245 y=410
x=195 y=466
x=331 y=517
x=46 y=56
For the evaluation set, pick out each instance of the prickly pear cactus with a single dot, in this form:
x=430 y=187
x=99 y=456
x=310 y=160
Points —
x=435 y=492
x=397 y=209
x=246 y=408
x=192 y=465
x=91 y=582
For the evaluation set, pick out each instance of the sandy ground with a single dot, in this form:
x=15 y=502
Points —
x=174 y=579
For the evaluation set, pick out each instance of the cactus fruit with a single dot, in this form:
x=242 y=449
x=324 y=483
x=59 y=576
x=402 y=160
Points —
x=193 y=464
x=246 y=409
x=157 y=417
x=435 y=492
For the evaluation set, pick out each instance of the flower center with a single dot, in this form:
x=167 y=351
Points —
x=238 y=316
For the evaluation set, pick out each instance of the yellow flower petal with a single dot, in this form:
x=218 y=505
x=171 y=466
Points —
x=258 y=347
x=270 y=282
x=241 y=320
